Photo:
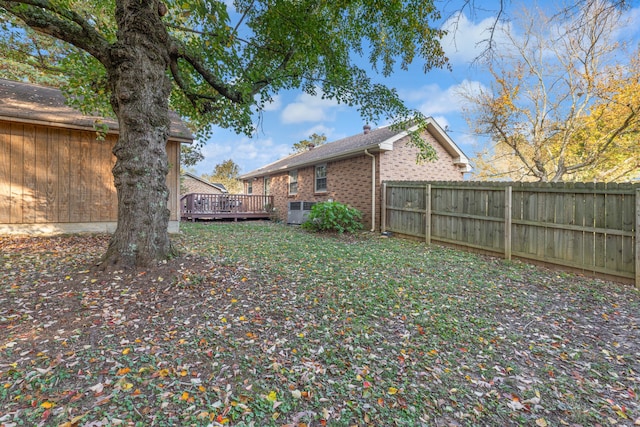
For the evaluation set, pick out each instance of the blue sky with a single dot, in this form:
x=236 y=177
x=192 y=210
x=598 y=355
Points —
x=295 y=116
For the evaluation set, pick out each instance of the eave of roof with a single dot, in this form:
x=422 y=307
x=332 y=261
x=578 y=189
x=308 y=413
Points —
x=459 y=158
x=377 y=140
x=35 y=104
x=381 y=139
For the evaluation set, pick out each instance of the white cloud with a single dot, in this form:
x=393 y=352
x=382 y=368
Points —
x=319 y=129
x=216 y=150
x=442 y=121
x=466 y=40
x=433 y=100
x=469 y=143
x=248 y=153
x=633 y=16
x=630 y=25
x=416 y=95
x=308 y=108
x=274 y=105
x=472 y=87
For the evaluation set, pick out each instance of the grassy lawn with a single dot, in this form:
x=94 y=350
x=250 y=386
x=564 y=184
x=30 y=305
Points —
x=260 y=324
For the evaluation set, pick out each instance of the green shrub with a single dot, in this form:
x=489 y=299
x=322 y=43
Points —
x=333 y=216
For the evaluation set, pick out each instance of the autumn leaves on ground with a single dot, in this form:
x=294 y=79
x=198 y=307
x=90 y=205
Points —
x=260 y=324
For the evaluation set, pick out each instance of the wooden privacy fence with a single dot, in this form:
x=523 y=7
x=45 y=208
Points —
x=594 y=227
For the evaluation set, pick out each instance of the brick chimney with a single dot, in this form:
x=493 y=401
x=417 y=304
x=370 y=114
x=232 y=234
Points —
x=367 y=129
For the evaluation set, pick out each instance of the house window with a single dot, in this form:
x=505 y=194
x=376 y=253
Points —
x=249 y=187
x=293 y=182
x=267 y=185
x=321 y=178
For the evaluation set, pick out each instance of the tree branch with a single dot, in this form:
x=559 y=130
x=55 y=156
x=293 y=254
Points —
x=193 y=97
x=514 y=146
x=224 y=89
x=595 y=155
x=242 y=18
x=38 y=62
x=179 y=52
x=45 y=17
x=267 y=79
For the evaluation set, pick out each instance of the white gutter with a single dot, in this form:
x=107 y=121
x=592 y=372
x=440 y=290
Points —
x=373 y=189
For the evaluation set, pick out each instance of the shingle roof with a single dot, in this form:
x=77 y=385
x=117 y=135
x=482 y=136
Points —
x=342 y=148
x=27 y=102
x=216 y=185
x=380 y=139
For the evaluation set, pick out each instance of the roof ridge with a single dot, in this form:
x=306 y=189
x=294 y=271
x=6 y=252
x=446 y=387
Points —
x=329 y=150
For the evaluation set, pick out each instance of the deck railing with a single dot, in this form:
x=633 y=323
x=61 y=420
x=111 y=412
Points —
x=200 y=205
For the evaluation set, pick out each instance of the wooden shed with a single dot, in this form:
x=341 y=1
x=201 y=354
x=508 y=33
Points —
x=55 y=172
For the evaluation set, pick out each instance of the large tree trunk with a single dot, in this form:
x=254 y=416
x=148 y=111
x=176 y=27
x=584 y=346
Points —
x=140 y=92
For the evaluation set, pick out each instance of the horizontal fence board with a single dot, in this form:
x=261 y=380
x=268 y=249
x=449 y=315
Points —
x=592 y=227
x=470 y=245
x=617 y=232
x=407 y=210
x=576 y=266
x=578 y=188
x=459 y=215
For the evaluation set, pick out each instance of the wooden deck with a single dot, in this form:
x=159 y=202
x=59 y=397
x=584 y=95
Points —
x=196 y=206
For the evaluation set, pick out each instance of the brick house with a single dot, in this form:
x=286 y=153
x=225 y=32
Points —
x=190 y=183
x=352 y=169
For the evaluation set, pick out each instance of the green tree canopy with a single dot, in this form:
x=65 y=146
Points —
x=226 y=169
x=226 y=173
x=314 y=140
x=190 y=155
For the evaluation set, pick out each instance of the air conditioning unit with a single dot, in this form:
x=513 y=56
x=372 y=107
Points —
x=298 y=212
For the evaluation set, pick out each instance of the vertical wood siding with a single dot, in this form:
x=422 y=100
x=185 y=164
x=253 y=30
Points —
x=173 y=179
x=57 y=175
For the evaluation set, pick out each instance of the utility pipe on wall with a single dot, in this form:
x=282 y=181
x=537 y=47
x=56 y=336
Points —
x=373 y=189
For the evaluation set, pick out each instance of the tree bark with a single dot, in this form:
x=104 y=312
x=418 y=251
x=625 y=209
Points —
x=140 y=91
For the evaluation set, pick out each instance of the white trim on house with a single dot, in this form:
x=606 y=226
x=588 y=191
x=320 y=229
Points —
x=266 y=185
x=293 y=172
x=459 y=158
x=316 y=177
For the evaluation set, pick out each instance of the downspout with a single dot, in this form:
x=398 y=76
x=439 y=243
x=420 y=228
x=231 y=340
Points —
x=373 y=189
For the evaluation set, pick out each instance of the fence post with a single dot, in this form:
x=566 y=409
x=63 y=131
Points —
x=507 y=222
x=383 y=208
x=427 y=214
x=637 y=269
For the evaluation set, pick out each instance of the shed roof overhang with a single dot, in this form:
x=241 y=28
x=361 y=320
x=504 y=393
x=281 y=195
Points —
x=41 y=105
